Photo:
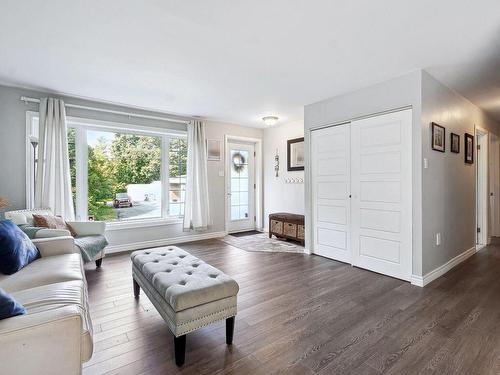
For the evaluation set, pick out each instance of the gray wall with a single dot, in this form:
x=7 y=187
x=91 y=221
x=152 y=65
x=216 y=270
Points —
x=448 y=183
x=13 y=157
x=396 y=93
x=444 y=193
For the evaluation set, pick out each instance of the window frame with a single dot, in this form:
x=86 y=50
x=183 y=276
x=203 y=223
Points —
x=81 y=126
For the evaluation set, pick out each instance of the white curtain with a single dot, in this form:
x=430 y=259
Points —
x=196 y=206
x=53 y=180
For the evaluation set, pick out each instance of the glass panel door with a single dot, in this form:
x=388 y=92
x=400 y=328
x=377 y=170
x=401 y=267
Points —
x=241 y=187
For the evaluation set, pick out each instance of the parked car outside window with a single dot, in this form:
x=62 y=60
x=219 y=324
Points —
x=122 y=200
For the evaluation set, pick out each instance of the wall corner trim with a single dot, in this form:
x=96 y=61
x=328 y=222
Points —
x=113 y=249
x=441 y=270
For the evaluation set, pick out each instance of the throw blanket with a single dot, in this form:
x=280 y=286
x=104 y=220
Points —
x=90 y=246
x=29 y=230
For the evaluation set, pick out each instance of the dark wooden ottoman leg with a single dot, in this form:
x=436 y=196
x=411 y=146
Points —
x=137 y=289
x=98 y=263
x=229 y=330
x=180 y=349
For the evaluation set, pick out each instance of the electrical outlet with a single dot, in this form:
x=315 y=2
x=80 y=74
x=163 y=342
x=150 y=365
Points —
x=438 y=239
x=426 y=163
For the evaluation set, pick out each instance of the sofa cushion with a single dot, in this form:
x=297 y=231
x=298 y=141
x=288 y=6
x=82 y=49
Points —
x=182 y=279
x=52 y=222
x=56 y=295
x=44 y=271
x=16 y=249
x=9 y=307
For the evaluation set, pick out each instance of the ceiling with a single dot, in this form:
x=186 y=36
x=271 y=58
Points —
x=236 y=61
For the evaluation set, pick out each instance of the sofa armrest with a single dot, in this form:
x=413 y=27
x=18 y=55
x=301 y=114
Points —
x=49 y=233
x=87 y=228
x=48 y=342
x=55 y=246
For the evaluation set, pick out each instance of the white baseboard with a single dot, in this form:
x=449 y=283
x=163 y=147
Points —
x=162 y=242
x=441 y=270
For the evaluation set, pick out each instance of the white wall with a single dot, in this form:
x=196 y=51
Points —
x=448 y=184
x=280 y=196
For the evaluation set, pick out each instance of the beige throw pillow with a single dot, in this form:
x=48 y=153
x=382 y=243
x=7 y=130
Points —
x=52 y=222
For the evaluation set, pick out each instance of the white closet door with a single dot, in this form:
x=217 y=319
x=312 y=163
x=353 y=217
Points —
x=330 y=189
x=381 y=204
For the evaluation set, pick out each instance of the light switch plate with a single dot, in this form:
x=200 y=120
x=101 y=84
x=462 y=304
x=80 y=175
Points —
x=221 y=173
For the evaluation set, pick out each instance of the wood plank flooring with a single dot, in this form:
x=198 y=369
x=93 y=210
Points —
x=301 y=314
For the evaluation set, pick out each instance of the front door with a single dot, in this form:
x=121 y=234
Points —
x=240 y=186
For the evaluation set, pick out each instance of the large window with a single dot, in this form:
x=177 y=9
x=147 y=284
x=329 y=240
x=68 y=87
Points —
x=122 y=174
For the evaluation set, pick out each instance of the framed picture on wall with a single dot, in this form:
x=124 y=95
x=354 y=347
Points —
x=295 y=154
x=469 y=148
x=438 y=137
x=213 y=149
x=455 y=143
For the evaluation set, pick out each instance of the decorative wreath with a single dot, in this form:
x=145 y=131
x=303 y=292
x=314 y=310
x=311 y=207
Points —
x=238 y=162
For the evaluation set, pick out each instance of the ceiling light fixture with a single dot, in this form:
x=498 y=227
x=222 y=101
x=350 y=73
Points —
x=270 y=120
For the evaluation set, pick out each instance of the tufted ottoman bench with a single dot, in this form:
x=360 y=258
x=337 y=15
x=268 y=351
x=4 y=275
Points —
x=187 y=292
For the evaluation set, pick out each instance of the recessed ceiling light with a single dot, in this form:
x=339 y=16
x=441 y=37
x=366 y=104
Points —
x=270 y=120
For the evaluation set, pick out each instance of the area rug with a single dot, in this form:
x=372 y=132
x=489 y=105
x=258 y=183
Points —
x=262 y=242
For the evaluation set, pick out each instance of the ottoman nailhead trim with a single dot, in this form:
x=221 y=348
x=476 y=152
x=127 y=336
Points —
x=207 y=316
x=203 y=317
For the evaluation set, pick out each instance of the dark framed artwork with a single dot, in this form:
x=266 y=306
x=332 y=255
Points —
x=438 y=137
x=295 y=154
x=455 y=143
x=469 y=148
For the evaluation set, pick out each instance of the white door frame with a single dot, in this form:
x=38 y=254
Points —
x=481 y=186
x=494 y=168
x=258 y=179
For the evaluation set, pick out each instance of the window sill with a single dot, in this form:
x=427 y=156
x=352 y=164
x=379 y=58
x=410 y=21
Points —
x=112 y=226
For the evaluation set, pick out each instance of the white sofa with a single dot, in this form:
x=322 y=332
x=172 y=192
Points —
x=81 y=228
x=55 y=336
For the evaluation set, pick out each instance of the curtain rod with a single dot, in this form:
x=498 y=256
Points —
x=129 y=114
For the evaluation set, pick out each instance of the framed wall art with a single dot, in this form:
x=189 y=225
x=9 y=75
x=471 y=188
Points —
x=213 y=149
x=438 y=137
x=469 y=148
x=295 y=154
x=455 y=143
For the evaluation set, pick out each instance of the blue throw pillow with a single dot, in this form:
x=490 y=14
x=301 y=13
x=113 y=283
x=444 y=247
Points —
x=9 y=307
x=16 y=249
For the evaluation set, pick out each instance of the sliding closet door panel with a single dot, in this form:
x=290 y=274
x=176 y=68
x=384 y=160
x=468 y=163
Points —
x=330 y=166
x=381 y=186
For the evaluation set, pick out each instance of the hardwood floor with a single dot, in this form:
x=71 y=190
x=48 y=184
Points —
x=300 y=314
